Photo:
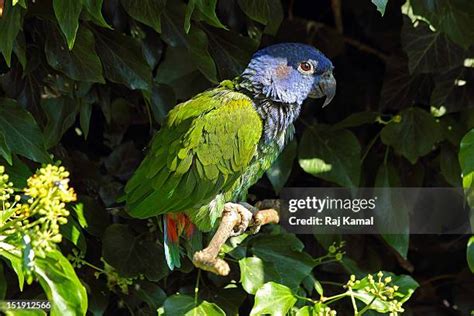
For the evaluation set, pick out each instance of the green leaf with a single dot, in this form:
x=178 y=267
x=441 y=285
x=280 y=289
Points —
x=10 y=25
x=266 y=12
x=180 y=304
x=381 y=5
x=273 y=299
x=414 y=136
x=357 y=119
x=61 y=285
x=146 y=11
x=94 y=8
x=199 y=53
x=291 y=264
x=470 y=253
x=331 y=155
x=466 y=152
x=316 y=310
x=449 y=166
x=21 y=132
x=72 y=232
x=280 y=171
x=453 y=17
x=5 y=151
x=254 y=273
x=16 y=264
x=393 y=214
x=429 y=51
x=81 y=62
x=67 y=12
x=85 y=112
x=121 y=248
x=123 y=60
x=178 y=71
x=206 y=10
x=61 y=113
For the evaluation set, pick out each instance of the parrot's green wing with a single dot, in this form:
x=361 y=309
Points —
x=205 y=146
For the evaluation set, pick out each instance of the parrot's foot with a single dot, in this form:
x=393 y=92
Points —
x=207 y=259
x=246 y=212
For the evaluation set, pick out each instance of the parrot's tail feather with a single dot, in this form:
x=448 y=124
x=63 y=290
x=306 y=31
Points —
x=175 y=225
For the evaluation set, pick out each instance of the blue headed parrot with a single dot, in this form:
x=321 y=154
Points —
x=216 y=145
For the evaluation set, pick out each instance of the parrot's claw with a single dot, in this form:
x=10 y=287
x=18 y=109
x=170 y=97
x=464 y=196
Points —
x=207 y=261
x=246 y=215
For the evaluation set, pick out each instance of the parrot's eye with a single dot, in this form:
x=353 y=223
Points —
x=306 y=68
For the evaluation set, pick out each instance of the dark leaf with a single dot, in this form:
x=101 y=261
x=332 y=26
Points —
x=453 y=17
x=206 y=10
x=94 y=8
x=121 y=249
x=266 y=12
x=146 y=11
x=414 y=136
x=123 y=60
x=21 y=132
x=429 y=51
x=280 y=171
x=81 y=62
x=61 y=113
x=10 y=25
x=67 y=12
x=331 y=155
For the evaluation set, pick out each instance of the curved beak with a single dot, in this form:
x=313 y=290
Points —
x=325 y=87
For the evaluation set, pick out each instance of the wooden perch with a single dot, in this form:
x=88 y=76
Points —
x=207 y=259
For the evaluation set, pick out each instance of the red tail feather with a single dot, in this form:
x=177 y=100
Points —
x=177 y=224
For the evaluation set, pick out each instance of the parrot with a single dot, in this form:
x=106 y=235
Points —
x=215 y=146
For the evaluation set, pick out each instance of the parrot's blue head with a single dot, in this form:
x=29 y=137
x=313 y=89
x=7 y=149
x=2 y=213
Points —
x=291 y=72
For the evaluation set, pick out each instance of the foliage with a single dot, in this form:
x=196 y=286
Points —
x=89 y=82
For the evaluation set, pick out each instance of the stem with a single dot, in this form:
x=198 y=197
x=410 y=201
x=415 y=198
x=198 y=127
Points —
x=354 y=305
x=385 y=159
x=366 y=308
x=306 y=299
x=92 y=266
x=196 y=288
x=369 y=147
x=334 y=298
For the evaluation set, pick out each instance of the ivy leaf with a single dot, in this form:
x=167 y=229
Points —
x=206 y=10
x=291 y=264
x=67 y=12
x=449 y=166
x=72 y=232
x=414 y=136
x=5 y=151
x=273 y=299
x=21 y=133
x=429 y=51
x=121 y=249
x=10 y=25
x=357 y=119
x=146 y=11
x=331 y=155
x=266 y=12
x=453 y=17
x=161 y=100
x=317 y=309
x=123 y=60
x=470 y=253
x=81 y=62
x=61 y=113
x=94 y=8
x=393 y=215
x=381 y=5
x=254 y=273
x=452 y=95
x=61 y=284
x=180 y=304
x=280 y=171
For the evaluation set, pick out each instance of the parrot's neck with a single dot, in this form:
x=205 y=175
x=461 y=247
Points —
x=277 y=117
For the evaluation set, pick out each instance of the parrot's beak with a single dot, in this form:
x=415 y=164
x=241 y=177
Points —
x=325 y=87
